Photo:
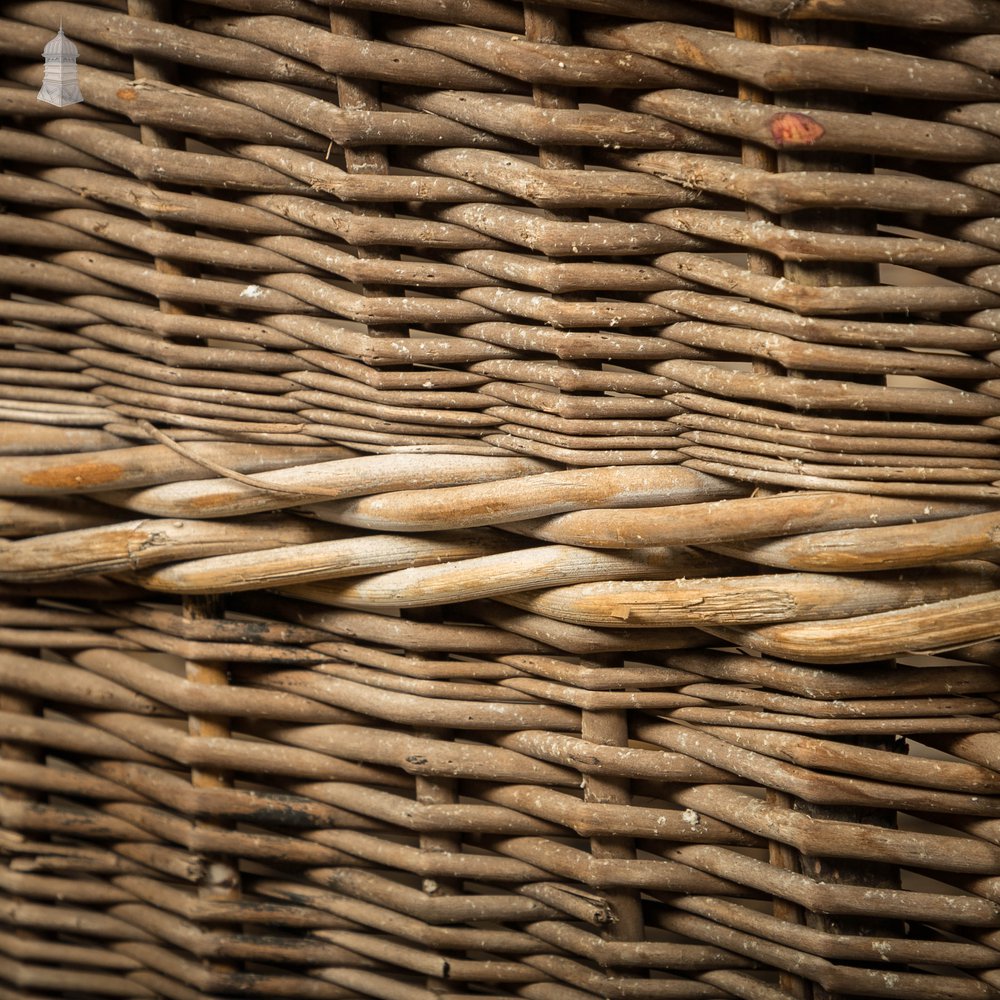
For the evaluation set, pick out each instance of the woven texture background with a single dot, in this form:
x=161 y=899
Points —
x=501 y=500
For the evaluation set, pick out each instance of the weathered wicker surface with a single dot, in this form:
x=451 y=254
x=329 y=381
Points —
x=501 y=500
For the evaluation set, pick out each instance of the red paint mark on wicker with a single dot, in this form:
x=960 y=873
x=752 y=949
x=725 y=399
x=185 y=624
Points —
x=791 y=128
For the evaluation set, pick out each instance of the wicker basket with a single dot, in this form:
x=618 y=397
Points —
x=501 y=500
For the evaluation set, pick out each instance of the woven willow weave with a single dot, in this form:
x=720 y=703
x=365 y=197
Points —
x=501 y=500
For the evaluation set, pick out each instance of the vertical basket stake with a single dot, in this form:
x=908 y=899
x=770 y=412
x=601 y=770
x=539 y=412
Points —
x=355 y=94
x=552 y=25
x=757 y=156
x=830 y=275
x=431 y=791
x=438 y=791
x=609 y=727
x=221 y=881
x=19 y=753
x=222 y=876
x=18 y=704
x=153 y=135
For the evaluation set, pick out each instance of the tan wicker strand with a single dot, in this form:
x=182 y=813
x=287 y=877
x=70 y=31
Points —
x=499 y=499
